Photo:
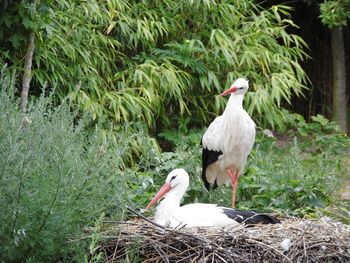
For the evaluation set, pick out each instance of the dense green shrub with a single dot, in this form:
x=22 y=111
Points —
x=57 y=175
x=289 y=179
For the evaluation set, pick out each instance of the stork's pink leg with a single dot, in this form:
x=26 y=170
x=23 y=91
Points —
x=234 y=181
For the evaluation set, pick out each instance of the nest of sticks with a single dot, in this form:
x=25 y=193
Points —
x=293 y=240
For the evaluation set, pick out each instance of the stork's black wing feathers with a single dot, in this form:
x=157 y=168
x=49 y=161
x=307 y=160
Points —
x=208 y=157
x=249 y=217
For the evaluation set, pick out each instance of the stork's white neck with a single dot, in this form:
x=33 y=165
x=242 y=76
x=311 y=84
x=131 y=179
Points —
x=169 y=204
x=175 y=194
x=235 y=102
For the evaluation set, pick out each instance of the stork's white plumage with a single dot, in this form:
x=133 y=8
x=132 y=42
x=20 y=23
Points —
x=228 y=141
x=170 y=214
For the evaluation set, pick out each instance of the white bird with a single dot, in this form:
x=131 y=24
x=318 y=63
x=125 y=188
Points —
x=228 y=141
x=169 y=213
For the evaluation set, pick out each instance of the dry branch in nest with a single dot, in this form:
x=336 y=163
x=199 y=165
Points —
x=293 y=240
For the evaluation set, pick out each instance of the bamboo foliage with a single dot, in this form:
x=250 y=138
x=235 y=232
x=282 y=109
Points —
x=213 y=43
x=147 y=60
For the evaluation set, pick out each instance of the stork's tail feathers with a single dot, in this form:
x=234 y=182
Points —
x=208 y=157
x=250 y=217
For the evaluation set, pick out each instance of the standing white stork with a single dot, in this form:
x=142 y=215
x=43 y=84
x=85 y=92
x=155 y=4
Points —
x=170 y=214
x=228 y=141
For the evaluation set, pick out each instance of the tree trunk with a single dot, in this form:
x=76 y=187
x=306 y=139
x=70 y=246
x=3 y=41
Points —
x=27 y=74
x=339 y=98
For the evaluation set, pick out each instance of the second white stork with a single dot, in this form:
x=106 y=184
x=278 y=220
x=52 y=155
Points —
x=228 y=141
x=169 y=213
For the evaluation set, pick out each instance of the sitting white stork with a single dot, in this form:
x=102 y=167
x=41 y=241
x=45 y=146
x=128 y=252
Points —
x=228 y=141
x=170 y=214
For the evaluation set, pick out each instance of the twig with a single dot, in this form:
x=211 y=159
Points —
x=53 y=201
x=144 y=218
x=272 y=248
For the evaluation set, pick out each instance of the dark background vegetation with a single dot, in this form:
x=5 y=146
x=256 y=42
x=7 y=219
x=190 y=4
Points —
x=318 y=99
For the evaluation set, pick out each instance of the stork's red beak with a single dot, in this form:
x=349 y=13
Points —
x=165 y=188
x=229 y=91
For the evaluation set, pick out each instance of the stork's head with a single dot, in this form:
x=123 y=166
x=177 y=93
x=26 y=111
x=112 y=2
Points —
x=240 y=86
x=176 y=181
x=177 y=177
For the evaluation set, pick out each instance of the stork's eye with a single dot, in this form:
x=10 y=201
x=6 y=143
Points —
x=240 y=88
x=172 y=178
